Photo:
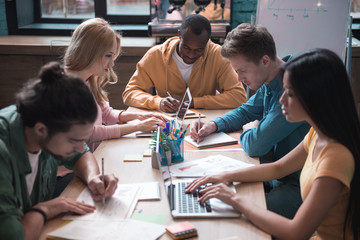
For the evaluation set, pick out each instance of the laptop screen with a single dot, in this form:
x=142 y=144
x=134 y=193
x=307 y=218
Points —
x=165 y=172
x=184 y=105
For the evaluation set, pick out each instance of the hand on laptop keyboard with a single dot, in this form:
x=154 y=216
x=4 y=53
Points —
x=204 y=181
x=196 y=192
x=196 y=195
x=220 y=191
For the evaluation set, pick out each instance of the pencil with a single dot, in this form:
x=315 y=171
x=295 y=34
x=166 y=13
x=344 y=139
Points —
x=103 y=179
x=199 y=128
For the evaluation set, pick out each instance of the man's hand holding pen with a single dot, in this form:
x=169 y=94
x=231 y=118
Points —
x=104 y=188
x=199 y=130
x=170 y=104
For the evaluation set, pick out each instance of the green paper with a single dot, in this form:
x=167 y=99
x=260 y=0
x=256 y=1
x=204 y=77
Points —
x=153 y=218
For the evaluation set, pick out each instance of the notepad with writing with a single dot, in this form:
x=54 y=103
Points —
x=213 y=140
x=182 y=230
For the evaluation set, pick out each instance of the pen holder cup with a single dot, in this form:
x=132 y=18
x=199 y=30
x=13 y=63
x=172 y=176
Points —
x=177 y=150
x=165 y=155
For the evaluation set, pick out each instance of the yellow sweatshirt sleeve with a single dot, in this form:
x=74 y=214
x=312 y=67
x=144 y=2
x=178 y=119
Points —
x=137 y=92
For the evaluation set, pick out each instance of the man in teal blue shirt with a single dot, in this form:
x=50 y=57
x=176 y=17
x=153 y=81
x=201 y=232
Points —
x=266 y=133
x=49 y=125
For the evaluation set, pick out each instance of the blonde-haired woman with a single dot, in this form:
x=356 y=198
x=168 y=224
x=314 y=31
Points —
x=91 y=54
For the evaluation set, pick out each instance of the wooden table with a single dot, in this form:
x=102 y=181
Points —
x=113 y=152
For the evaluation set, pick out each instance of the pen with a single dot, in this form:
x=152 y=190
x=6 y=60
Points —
x=184 y=132
x=199 y=128
x=167 y=92
x=102 y=179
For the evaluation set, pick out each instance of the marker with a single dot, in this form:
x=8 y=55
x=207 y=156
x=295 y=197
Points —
x=187 y=127
x=173 y=133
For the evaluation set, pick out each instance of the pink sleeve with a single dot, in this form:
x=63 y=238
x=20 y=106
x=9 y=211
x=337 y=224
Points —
x=102 y=132
x=109 y=115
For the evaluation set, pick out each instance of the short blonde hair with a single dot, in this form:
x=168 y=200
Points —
x=89 y=42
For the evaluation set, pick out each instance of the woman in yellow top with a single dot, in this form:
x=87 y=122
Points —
x=316 y=90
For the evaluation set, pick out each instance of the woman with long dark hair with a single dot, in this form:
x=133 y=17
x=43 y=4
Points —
x=316 y=90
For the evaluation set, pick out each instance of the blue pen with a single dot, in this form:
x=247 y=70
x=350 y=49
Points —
x=166 y=131
x=167 y=128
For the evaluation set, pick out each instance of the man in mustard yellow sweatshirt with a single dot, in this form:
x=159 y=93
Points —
x=188 y=60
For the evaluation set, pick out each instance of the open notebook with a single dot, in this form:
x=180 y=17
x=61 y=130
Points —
x=213 y=140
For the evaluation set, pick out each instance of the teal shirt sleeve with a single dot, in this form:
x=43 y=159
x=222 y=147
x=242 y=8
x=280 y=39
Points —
x=250 y=111
x=70 y=162
x=272 y=129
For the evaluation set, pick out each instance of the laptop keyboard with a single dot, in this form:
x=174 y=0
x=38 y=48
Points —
x=188 y=202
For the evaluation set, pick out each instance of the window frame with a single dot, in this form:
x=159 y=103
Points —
x=129 y=25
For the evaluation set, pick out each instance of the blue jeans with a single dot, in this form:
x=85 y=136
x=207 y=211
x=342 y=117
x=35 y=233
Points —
x=283 y=196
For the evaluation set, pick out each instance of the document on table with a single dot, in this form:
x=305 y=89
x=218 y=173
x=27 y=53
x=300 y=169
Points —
x=119 y=207
x=99 y=230
x=210 y=165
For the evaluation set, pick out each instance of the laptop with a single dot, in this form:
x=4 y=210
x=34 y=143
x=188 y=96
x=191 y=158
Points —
x=183 y=109
x=184 y=106
x=185 y=205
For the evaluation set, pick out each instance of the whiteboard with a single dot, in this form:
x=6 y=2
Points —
x=300 y=25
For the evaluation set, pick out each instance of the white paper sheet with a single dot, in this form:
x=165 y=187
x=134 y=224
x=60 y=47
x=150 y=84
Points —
x=100 y=230
x=117 y=208
x=149 y=191
x=210 y=165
